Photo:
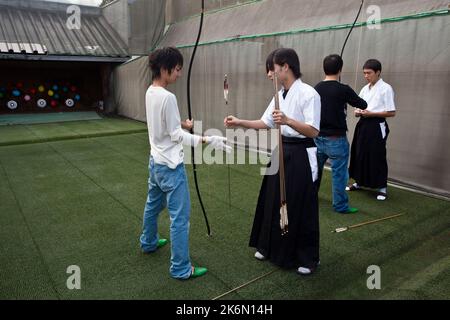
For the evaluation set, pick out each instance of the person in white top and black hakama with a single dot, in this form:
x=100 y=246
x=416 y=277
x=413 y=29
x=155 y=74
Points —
x=368 y=164
x=299 y=117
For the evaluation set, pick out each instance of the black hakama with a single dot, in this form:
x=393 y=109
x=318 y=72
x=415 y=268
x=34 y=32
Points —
x=368 y=164
x=300 y=246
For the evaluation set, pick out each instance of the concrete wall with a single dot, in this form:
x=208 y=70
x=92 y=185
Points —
x=117 y=15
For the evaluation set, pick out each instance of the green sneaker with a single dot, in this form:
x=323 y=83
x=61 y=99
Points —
x=198 y=272
x=162 y=243
x=349 y=210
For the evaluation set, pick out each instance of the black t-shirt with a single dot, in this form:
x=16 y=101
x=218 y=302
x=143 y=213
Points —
x=334 y=97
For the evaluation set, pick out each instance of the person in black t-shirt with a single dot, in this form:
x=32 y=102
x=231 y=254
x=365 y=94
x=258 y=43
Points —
x=332 y=141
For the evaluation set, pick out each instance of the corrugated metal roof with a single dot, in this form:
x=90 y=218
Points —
x=38 y=27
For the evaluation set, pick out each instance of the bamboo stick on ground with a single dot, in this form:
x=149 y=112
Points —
x=343 y=229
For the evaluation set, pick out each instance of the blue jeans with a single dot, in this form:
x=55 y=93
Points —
x=337 y=150
x=168 y=187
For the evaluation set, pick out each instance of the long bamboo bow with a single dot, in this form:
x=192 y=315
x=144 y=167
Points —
x=190 y=116
x=351 y=29
x=350 y=32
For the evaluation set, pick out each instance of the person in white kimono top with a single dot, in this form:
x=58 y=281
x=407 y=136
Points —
x=368 y=163
x=299 y=117
x=167 y=183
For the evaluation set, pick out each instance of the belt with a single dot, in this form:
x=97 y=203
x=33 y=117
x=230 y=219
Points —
x=304 y=141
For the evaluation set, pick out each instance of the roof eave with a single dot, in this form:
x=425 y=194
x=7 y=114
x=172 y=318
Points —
x=27 y=57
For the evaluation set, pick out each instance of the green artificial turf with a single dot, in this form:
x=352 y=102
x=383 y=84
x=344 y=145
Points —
x=33 y=133
x=35 y=118
x=78 y=200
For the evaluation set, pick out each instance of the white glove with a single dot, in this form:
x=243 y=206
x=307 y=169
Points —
x=218 y=143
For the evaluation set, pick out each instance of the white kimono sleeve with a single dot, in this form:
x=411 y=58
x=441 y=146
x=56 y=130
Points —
x=312 y=111
x=388 y=102
x=267 y=117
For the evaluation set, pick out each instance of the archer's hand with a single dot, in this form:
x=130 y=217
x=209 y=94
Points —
x=358 y=112
x=279 y=117
x=231 y=121
x=365 y=113
x=218 y=143
x=187 y=125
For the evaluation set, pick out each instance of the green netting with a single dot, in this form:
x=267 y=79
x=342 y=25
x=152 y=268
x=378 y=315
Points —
x=217 y=10
x=325 y=28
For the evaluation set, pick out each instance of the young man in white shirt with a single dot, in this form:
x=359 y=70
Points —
x=368 y=164
x=168 y=186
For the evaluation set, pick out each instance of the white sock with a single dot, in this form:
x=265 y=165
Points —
x=380 y=196
x=356 y=185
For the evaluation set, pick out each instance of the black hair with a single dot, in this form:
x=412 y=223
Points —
x=372 y=64
x=166 y=58
x=332 y=64
x=269 y=61
x=288 y=56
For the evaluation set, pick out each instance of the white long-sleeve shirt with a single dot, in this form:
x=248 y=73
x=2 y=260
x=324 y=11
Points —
x=164 y=128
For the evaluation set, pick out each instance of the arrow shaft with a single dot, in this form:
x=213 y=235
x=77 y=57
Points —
x=375 y=221
x=343 y=229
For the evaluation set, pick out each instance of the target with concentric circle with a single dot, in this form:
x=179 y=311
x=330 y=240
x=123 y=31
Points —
x=41 y=103
x=12 y=105
x=70 y=103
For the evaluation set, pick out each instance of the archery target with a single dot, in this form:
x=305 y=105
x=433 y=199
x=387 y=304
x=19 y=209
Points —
x=41 y=103
x=70 y=103
x=12 y=105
